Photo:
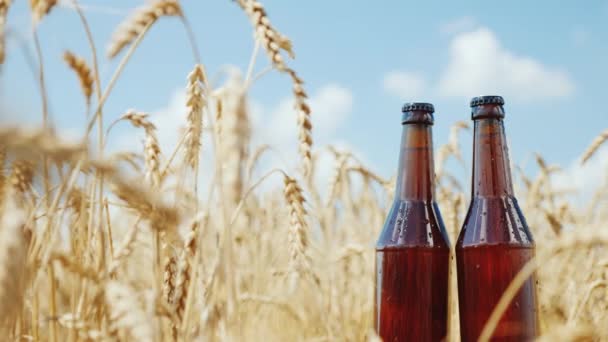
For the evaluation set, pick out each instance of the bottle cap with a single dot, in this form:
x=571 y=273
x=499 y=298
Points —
x=488 y=99
x=418 y=106
x=417 y=112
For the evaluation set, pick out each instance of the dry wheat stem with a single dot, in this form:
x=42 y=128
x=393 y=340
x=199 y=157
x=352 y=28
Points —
x=73 y=266
x=272 y=40
x=564 y=243
x=257 y=154
x=162 y=217
x=31 y=144
x=123 y=62
x=273 y=43
x=126 y=247
x=4 y=6
x=335 y=182
x=141 y=18
x=595 y=145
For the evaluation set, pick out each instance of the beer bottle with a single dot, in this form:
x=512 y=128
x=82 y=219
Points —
x=495 y=242
x=412 y=253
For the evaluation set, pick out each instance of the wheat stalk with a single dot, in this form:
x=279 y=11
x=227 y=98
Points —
x=298 y=230
x=272 y=40
x=595 y=145
x=162 y=217
x=31 y=144
x=184 y=275
x=40 y=8
x=74 y=266
x=4 y=6
x=22 y=177
x=83 y=71
x=273 y=43
x=142 y=17
x=304 y=122
x=196 y=100
x=336 y=178
x=233 y=133
x=169 y=278
x=151 y=146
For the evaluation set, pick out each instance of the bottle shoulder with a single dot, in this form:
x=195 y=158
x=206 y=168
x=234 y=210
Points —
x=495 y=220
x=412 y=223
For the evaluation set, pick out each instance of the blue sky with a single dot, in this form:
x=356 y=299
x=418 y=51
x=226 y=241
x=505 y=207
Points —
x=361 y=61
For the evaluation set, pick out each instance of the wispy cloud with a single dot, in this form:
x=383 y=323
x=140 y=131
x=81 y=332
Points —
x=584 y=178
x=274 y=124
x=478 y=63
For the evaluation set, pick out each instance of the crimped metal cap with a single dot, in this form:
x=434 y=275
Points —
x=418 y=106
x=488 y=99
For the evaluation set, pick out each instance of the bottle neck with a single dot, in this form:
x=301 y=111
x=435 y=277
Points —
x=416 y=170
x=491 y=168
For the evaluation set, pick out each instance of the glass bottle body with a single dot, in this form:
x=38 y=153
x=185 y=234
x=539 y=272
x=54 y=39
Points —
x=495 y=242
x=412 y=253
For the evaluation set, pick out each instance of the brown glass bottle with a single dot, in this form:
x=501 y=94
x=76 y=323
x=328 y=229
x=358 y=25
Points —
x=412 y=253
x=495 y=242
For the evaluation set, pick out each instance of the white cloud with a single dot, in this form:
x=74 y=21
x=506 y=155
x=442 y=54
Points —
x=585 y=179
x=479 y=64
x=405 y=85
x=330 y=105
x=169 y=121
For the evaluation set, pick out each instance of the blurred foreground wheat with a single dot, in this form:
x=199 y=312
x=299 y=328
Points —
x=87 y=253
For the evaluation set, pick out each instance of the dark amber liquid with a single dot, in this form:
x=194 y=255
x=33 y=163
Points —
x=484 y=272
x=495 y=242
x=412 y=254
x=411 y=289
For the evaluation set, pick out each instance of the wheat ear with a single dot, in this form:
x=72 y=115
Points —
x=273 y=43
x=298 y=231
x=83 y=71
x=595 y=145
x=304 y=122
x=22 y=177
x=4 y=5
x=169 y=277
x=143 y=17
x=196 y=100
x=151 y=145
x=40 y=8
x=184 y=275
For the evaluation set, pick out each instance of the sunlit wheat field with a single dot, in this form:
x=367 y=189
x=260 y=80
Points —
x=203 y=242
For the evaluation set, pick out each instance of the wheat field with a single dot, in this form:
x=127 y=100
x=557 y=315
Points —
x=121 y=246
